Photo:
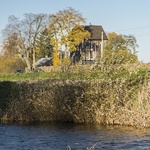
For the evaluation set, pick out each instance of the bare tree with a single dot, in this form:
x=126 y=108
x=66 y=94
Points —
x=27 y=30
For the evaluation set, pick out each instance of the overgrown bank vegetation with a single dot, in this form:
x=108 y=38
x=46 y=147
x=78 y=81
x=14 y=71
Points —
x=100 y=94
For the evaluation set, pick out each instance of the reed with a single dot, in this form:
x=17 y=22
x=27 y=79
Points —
x=100 y=95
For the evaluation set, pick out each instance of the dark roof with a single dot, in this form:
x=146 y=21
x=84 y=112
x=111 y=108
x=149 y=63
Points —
x=96 y=32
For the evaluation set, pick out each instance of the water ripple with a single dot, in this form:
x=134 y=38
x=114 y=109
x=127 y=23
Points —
x=58 y=136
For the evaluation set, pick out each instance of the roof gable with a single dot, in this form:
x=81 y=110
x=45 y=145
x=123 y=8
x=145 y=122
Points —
x=96 y=32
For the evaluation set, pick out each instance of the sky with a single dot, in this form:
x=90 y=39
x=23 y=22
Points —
x=129 y=17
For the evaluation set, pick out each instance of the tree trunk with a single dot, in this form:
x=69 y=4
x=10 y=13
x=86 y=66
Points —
x=33 y=65
x=28 y=63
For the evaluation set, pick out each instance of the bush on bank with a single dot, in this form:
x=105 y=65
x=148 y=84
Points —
x=101 y=95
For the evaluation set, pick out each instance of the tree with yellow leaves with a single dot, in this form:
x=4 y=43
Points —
x=66 y=26
x=120 y=49
x=56 y=60
x=76 y=36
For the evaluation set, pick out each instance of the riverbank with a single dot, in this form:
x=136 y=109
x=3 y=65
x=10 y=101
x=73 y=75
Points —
x=121 y=101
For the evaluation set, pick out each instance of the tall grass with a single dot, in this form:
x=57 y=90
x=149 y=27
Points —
x=96 y=95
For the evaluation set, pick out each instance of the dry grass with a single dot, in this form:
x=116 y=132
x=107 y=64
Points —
x=90 y=100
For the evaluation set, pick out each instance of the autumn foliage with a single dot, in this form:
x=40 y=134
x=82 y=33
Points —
x=10 y=64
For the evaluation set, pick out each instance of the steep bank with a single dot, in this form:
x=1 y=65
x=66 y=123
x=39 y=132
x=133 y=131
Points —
x=123 y=102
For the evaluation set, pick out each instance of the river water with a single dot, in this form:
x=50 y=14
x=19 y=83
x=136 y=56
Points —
x=77 y=137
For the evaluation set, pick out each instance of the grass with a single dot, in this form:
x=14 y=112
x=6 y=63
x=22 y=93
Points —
x=99 y=72
x=24 y=76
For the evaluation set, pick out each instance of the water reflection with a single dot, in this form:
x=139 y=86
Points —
x=58 y=136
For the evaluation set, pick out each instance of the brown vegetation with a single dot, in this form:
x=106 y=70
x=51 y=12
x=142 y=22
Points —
x=94 y=101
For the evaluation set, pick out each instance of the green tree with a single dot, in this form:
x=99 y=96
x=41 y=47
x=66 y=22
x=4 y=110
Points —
x=44 y=46
x=120 y=49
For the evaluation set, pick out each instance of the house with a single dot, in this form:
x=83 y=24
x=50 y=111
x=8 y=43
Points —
x=90 y=51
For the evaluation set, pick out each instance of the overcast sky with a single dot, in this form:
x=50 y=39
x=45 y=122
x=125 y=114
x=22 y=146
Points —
x=130 y=17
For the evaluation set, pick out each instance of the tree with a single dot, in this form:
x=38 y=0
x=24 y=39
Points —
x=118 y=57
x=61 y=26
x=121 y=42
x=10 y=64
x=77 y=36
x=120 y=49
x=43 y=44
x=28 y=31
x=10 y=45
